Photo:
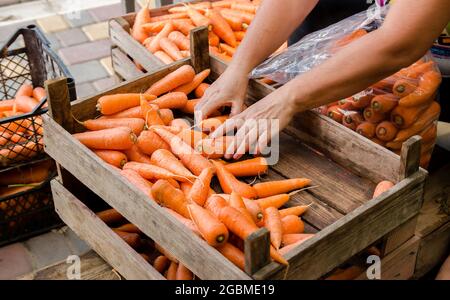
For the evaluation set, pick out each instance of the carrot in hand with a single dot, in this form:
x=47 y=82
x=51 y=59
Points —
x=229 y=183
x=119 y=138
x=115 y=158
x=213 y=231
x=271 y=188
x=168 y=196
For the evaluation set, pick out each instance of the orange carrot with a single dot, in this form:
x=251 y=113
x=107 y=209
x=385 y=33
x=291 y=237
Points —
x=180 y=40
x=233 y=254
x=163 y=57
x=215 y=203
x=276 y=201
x=352 y=120
x=172 y=271
x=168 y=196
x=39 y=94
x=180 y=123
x=200 y=189
x=134 y=112
x=115 y=158
x=166 y=253
x=428 y=85
x=192 y=160
x=405 y=116
x=33 y=173
x=229 y=183
x=197 y=18
x=404 y=87
x=236 y=222
x=182 y=16
x=161 y=263
x=251 y=167
x=246 y=17
x=236 y=22
x=7 y=105
x=154 y=45
x=165 y=159
x=152 y=172
x=416 y=70
x=366 y=129
x=254 y=209
x=221 y=27
x=142 y=17
x=154 y=28
x=335 y=113
x=382 y=187
x=166 y=116
x=20 y=152
x=136 y=125
x=237 y=202
x=25 y=90
x=130 y=228
x=213 y=39
x=244 y=6
x=239 y=35
x=292 y=224
x=295 y=238
x=198 y=79
x=201 y=89
x=362 y=100
x=272 y=221
x=295 y=210
x=370 y=115
x=170 y=48
x=131 y=239
x=9 y=138
x=26 y=104
x=183 y=273
x=148 y=142
x=271 y=188
x=112 y=104
x=386 y=131
x=183 y=25
x=213 y=231
x=151 y=114
x=186 y=222
x=134 y=178
x=119 y=138
x=227 y=49
x=173 y=100
x=211 y=124
x=384 y=103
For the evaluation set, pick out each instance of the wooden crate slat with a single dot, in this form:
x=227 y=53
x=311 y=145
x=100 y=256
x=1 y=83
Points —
x=123 y=66
x=100 y=237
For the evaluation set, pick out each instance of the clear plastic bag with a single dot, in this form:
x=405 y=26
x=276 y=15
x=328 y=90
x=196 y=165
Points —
x=388 y=112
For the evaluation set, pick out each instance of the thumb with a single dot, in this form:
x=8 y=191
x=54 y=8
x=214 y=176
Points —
x=236 y=108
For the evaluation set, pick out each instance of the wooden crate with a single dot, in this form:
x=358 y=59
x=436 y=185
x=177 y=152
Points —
x=344 y=165
x=123 y=66
x=119 y=32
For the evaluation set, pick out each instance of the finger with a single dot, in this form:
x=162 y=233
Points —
x=262 y=143
x=236 y=108
x=204 y=108
x=227 y=127
x=239 y=139
x=249 y=141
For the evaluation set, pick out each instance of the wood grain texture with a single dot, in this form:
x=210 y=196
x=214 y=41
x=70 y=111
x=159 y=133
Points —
x=399 y=236
x=59 y=102
x=256 y=250
x=123 y=65
x=100 y=237
x=135 y=206
x=199 y=49
x=410 y=157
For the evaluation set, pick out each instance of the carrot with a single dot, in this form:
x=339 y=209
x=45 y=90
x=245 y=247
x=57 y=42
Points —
x=182 y=16
x=428 y=85
x=211 y=124
x=362 y=100
x=166 y=116
x=192 y=160
x=26 y=104
x=172 y=271
x=170 y=48
x=382 y=187
x=198 y=79
x=292 y=224
x=115 y=158
x=9 y=138
x=417 y=70
x=429 y=134
x=239 y=35
x=163 y=57
x=34 y=173
x=213 y=39
x=154 y=45
x=254 y=209
x=295 y=238
x=39 y=94
x=138 y=181
x=427 y=117
x=384 y=103
x=346 y=104
x=246 y=17
x=215 y=52
x=152 y=172
x=168 y=196
x=215 y=203
x=131 y=239
x=112 y=104
x=166 y=253
x=142 y=17
x=175 y=100
x=180 y=40
x=165 y=159
x=370 y=115
x=133 y=112
x=405 y=116
x=227 y=49
x=229 y=183
x=186 y=222
x=272 y=221
x=366 y=129
x=148 y=142
x=352 y=120
x=236 y=22
x=153 y=28
x=151 y=114
x=161 y=263
x=183 y=273
x=25 y=90
x=295 y=210
x=119 y=138
x=335 y=113
x=251 y=167
x=130 y=228
x=213 y=231
x=201 y=6
x=233 y=254
x=237 y=202
x=200 y=189
x=136 y=125
x=180 y=123
x=271 y=188
x=404 y=87
x=183 y=25
x=386 y=131
x=221 y=27
x=20 y=152
x=236 y=222
x=7 y=105
x=201 y=89
x=197 y=18
x=110 y=216
x=247 y=7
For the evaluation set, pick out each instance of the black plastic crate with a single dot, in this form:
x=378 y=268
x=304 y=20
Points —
x=26 y=58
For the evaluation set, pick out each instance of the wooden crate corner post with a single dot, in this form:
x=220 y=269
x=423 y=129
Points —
x=199 y=49
x=257 y=251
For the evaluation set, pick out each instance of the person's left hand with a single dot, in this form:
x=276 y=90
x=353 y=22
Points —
x=257 y=125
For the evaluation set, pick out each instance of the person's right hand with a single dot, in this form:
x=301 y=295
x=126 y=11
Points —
x=229 y=90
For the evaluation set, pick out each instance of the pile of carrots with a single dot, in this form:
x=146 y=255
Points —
x=167 y=36
x=21 y=139
x=174 y=165
x=395 y=109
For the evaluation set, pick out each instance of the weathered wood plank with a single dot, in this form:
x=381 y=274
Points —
x=59 y=109
x=123 y=65
x=256 y=250
x=410 y=157
x=351 y=234
x=399 y=236
x=199 y=48
x=100 y=237
x=135 y=206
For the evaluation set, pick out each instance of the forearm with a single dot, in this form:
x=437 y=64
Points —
x=274 y=22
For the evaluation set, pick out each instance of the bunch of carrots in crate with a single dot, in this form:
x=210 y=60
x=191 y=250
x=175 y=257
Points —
x=394 y=109
x=167 y=36
x=174 y=165
x=21 y=139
